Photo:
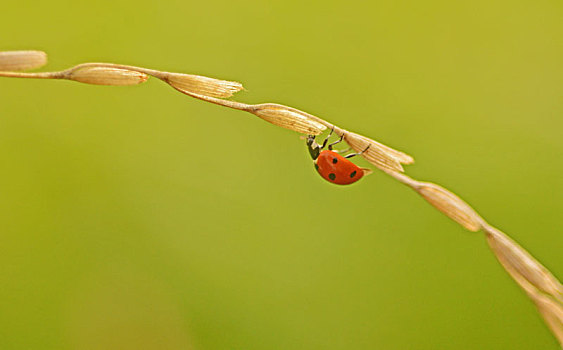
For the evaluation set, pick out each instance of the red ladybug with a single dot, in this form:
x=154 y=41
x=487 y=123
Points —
x=332 y=166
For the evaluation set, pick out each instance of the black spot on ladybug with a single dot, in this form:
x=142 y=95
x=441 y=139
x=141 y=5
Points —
x=334 y=160
x=332 y=176
x=316 y=166
x=353 y=173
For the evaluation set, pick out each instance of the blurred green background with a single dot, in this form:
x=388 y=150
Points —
x=138 y=218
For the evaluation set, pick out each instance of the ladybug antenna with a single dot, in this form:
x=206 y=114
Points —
x=314 y=148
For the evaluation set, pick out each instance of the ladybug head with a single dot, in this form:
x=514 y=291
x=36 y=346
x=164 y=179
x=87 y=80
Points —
x=314 y=148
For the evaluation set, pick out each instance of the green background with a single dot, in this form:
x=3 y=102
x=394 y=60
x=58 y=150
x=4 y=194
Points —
x=139 y=218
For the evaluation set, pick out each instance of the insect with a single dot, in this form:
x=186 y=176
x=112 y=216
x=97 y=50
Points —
x=332 y=166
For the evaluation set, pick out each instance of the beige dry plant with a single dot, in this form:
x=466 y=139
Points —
x=538 y=283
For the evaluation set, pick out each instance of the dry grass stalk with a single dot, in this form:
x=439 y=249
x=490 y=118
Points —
x=22 y=60
x=540 y=285
x=214 y=90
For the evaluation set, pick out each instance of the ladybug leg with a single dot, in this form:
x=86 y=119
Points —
x=341 y=151
x=357 y=154
x=326 y=140
x=336 y=142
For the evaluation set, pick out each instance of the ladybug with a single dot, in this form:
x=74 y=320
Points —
x=332 y=166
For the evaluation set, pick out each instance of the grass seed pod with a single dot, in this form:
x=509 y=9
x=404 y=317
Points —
x=450 y=204
x=540 y=285
x=288 y=118
x=22 y=60
x=522 y=263
x=106 y=76
x=203 y=85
